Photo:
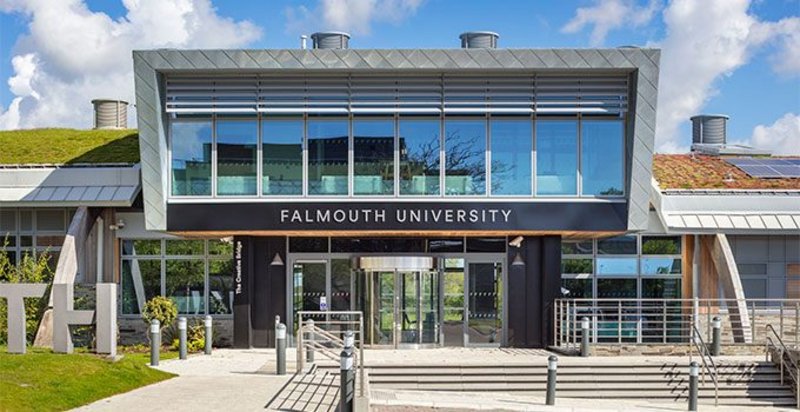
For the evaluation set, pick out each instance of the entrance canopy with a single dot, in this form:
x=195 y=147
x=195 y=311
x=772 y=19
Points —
x=401 y=263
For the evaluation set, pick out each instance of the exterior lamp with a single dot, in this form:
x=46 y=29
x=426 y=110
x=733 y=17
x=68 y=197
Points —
x=277 y=261
x=518 y=260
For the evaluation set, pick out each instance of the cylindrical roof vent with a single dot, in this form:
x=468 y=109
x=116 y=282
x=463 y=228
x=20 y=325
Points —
x=110 y=114
x=709 y=129
x=330 y=40
x=479 y=40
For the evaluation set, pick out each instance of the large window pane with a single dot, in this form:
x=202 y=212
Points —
x=141 y=247
x=577 y=266
x=602 y=145
x=191 y=158
x=576 y=288
x=50 y=220
x=419 y=157
x=660 y=266
x=620 y=245
x=373 y=156
x=185 y=284
x=220 y=286
x=465 y=157
x=512 y=143
x=616 y=266
x=576 y=247
x=283 y=157
x=556 y=157
x=327 y=157
x=237 y=143
x=141 y=281
x=661 y=245
x=185 y=246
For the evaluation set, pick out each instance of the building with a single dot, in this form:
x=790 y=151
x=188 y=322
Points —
x=451 y=196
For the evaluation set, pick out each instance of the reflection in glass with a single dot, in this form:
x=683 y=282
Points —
x=373 y=157
x=140 y=247
x=619 y=245
x=419 y=157
x=465 y=157
x=185 y=247
x=511 y=156
x=429 y=303
x=191 y=158
x=601 y=157
x=309 y=287
x=556 y=157
x=616 y=266
x=327 y=157
x=237 y=143
x=283 y=157
x=660 y=266
x=661 y=245
x=185 y=283
x=485 y=302
x=576 y=288
x=573 y=247
x=576 y=266
x=220 y=286
x=453 y=324
x=340 y=284
x=135 y=272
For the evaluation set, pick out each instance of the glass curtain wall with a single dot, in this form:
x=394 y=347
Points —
x=237 y=149
x=282 y=148
x=328 y=164
x=465 y=157
x=419 y=148
x=373 y=156
x=602 y=152
x=557 y=157
x=191 y=148
x=25 y=233
x=512 y=144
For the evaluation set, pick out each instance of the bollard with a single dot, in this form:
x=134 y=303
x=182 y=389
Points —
x=209 y=335
x=347 y=388
x=716 y=338
x=280 y=348
x=585 y=337
x=155 y=341
x=349 y=340
x=310 y=348
x=693 y=372
x=182 y=338
x=552 y=370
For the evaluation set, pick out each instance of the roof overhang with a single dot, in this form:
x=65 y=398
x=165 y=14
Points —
x=69 y=186
x=728 y=211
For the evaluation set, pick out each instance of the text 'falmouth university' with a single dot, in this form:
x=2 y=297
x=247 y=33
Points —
x=399 y=216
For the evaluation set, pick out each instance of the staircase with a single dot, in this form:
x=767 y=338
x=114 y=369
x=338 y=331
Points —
x=742 y=383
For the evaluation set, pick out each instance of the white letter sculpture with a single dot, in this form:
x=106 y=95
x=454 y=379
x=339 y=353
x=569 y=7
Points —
x=15 y=294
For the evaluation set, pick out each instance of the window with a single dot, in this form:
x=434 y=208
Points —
x=660 y=266
x=283 y=157
x=661 y=245
x=50 y=220
x=620 y=245
x=178 y=269
x=602 y=144
x=577 y=266
x=191 y=158
x=465 y=157
x=576 y=288
x=327 y=157
x=617 y=266
x=419 y=157
x=571 y=247
x=556 y=157
x=373 y=157
x=237 y=142
x=512 y=143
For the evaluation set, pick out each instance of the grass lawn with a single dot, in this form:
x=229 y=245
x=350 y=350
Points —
x=44 y=381
x=66 y=146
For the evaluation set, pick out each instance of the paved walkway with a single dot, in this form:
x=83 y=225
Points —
x=228 y=380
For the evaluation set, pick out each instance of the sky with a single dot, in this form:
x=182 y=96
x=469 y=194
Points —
x=736 y=57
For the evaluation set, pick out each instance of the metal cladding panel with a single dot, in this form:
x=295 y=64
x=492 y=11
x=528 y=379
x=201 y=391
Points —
x=643 y=64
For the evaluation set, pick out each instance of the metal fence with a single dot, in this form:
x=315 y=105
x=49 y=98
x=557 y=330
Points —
x=669 y=321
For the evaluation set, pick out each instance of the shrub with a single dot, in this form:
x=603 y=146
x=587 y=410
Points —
x=195 y=337
x=160 y=308
x=29 y=269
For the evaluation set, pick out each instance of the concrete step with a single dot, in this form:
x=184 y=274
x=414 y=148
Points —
x=628 y=387
x=611 y=380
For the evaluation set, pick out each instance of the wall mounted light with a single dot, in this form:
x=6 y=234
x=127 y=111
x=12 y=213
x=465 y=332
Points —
x=518 y=260
x=277 y=261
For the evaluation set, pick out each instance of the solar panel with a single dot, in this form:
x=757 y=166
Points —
x=767 y=168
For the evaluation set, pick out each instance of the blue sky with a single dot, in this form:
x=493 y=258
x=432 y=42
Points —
x=754 y=78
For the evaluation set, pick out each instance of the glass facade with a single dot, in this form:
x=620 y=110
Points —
x=191 y=158
x=622 y=267
x=406 y=156
x=26 y=232
x=197 y=274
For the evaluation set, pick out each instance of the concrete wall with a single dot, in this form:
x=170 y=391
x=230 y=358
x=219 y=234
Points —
x=134 y=331
x=762 y=262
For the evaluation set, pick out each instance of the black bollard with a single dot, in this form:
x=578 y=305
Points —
x=694 y=370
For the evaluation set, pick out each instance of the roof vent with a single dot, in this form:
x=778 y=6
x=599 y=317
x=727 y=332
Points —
x=110 y=114
x=330 y=40
x=479 y=40
x=709 y=129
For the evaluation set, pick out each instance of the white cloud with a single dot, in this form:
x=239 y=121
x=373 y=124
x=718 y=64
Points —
x=782 y=137
x=607 y=15
x=72 y=54
x=354 y=16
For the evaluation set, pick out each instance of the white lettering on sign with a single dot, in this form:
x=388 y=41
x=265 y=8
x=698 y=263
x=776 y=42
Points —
x=238 y=258
x=400 y=216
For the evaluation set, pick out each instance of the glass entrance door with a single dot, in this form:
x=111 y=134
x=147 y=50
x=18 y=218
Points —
x=404 y=309
x=309 y=280
x=485 y=303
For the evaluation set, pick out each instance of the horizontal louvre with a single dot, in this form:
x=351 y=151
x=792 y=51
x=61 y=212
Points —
x=366 y=94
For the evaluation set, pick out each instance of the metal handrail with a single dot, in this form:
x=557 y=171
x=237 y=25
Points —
x=702 y=350
x=794 y=370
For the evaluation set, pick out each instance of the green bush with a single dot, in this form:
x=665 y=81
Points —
x=29 y=269
x=160 y=308
x=195 y=337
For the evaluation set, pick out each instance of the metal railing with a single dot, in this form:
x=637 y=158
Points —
x=705 y=356
x=669 y=321
x=788 y=360
x=323 y=333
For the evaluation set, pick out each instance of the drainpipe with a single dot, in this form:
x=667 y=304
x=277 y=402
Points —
x=696 y=278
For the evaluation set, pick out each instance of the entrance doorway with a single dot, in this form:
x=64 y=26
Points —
x=472 y=302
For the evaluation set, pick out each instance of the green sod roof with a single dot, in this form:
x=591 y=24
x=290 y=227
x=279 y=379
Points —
x=68 y=146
